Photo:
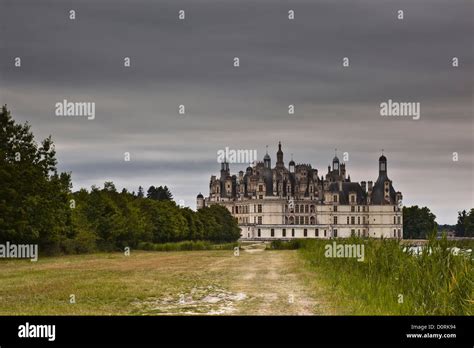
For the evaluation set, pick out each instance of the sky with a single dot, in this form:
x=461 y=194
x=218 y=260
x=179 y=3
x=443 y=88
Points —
x=190 y=62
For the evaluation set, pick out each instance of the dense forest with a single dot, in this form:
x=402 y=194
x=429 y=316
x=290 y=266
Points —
x=37 y=205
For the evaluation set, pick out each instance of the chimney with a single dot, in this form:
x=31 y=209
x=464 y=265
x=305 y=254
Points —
x=370 y=186
x=363 y=184
x=340 y=185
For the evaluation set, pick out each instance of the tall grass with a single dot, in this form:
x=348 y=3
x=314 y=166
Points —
x=186 y=246
x=392 y=282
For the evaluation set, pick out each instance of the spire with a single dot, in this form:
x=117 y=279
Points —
x=279 y=156
x=382 y=164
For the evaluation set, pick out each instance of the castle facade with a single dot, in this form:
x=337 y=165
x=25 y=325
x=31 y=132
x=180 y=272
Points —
x=295 y=202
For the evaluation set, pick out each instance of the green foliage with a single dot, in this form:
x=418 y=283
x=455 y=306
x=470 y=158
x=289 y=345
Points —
x=159 y=193
x=186 y=246
x=395 y=282
x=286 y=245
x=417 y=222
x=34 y=206
x=465 y=224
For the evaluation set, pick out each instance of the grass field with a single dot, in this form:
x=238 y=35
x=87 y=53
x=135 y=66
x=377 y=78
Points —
x=257 y=282
x=162 y=283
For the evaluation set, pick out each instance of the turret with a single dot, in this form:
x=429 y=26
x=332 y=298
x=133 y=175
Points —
x=199 y=201
x=267 y=162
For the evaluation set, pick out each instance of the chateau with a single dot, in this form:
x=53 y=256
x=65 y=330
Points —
x=295 y=202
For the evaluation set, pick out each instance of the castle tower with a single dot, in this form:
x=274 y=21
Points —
x=199 y=201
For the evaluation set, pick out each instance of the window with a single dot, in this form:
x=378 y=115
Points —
x=260 y=188
x=283 y=232
x=259 y=220
x=306 y=208
x=352 y=199
x=292 y=232
x=399 y=220
x=305 y=220
x=348 y=220
x=272 y=232
x=324 y=233
x=297 y=208
x=334 y=198
x=353 y=220
x=335 y=220
x=352 y=233
x=335 y=233
x=335 y=208
x=352 y=209
x=358 y=220
x=394 y=233
x=316 y=232
x=259 y=234
x=259 y=208
x=305 y=232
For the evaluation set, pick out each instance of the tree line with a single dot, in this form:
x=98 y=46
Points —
x=37 y=205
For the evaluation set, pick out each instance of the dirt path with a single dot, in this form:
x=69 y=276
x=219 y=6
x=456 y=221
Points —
x=273 y=282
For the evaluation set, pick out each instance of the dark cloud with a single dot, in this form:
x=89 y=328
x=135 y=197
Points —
x=282 y=62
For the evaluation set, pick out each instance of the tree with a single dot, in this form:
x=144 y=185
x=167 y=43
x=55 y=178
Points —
x=465 y=224
x=159 y=193
x=34 y=197
x=460 y=224
x=140 y=194
x=418 y=223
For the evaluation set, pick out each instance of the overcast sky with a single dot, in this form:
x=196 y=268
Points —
x=282 y=62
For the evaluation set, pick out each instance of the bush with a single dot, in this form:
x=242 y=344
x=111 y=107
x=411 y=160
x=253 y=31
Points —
x=286 y=245
x=186 y=246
